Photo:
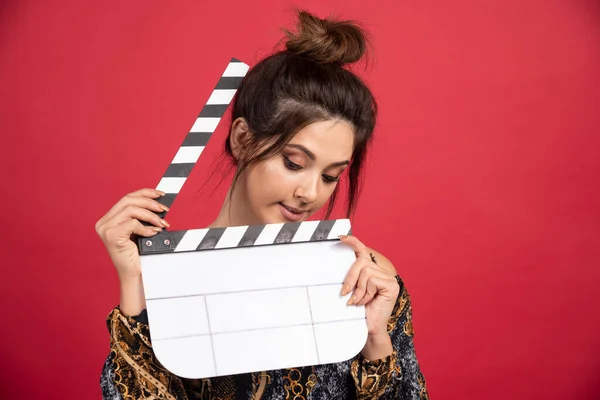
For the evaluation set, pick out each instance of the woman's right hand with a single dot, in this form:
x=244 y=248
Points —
x=122 y=222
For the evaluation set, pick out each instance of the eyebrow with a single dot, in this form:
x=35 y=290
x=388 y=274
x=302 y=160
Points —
x=312 y=156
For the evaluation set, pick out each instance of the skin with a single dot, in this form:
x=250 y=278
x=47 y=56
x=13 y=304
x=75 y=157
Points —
x=302 y=177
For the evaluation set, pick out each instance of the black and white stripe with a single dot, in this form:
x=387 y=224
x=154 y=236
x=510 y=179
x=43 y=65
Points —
x=245 y=236
x=202 y=130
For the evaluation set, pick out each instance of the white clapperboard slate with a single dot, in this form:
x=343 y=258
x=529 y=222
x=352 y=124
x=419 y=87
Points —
x=224 y=301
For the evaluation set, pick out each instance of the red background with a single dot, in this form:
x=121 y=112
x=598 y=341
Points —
x=483 y=186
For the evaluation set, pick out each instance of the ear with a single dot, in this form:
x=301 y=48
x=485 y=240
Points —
x=240 y=138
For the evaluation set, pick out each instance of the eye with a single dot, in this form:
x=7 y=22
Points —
x=330 y=179
x=290 y=164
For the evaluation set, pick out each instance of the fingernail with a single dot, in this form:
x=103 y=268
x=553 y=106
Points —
x=164 y=223
x=160 y=192
x=351 y=301
x=156 y=229
x=165 y=208
x=345 y=290
x=342 y=236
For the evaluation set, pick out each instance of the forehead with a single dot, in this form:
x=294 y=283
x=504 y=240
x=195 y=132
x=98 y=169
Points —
x=330 y=141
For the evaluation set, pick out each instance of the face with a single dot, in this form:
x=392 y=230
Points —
x=292 y=185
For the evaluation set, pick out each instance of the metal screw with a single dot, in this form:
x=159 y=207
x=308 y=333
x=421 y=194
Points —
x=167 y=242
x=148 y=243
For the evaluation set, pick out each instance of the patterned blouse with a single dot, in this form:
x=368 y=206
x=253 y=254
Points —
x=131 y=370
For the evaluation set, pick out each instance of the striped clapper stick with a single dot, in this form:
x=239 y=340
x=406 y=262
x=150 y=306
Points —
x=225 y=301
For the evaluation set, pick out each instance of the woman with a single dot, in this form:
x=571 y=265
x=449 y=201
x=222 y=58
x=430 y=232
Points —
x=301 y=122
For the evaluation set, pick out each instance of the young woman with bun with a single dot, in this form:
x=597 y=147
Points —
x=301 y=122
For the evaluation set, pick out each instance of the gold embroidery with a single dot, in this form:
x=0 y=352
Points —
x=403 y=299
x=375 y=376
x=132 y=359
x=408 y=325
x=259 y=387
x=294 y=386
x=311 y=383
x=423 y=394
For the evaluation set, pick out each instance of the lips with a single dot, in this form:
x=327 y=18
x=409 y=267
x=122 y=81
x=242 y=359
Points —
x=291 y=213
x=294 y=210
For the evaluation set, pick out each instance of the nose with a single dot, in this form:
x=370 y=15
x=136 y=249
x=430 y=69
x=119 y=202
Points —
x=308 y=189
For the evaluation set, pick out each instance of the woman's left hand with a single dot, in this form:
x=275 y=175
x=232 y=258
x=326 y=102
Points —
x=374 y=285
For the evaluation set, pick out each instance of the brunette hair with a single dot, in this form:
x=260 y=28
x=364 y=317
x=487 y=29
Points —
x=306 y=83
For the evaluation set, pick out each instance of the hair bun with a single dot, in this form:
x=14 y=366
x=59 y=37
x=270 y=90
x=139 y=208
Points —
x=327 y=40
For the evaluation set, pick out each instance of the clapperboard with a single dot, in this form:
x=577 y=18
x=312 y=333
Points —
x=225 y=301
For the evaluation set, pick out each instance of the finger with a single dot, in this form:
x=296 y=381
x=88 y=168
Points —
x=147 y=193
x=360 y=250
x=373 y=284
x=137 y=200
x=370 y=292
x=379 y=285
x=139 y=213
x=352 y=276
x=133 y=212
x=362 y=285
x=120 y=234
x=142 y=194
x=142 y=214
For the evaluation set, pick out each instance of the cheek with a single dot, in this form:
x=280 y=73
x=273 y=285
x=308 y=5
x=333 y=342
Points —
x=266 y=181
x=325 y=193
